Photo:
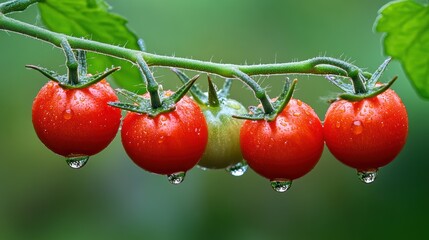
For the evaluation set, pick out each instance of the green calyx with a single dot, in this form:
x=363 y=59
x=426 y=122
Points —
x=77 y=76
x=84 y=81
x=213 y=98
x=361 y=85
x=278 y=105
x=143 y=105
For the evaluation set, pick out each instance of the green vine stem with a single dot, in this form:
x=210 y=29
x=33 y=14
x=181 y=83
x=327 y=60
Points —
x=258 y=90
x=317 y=65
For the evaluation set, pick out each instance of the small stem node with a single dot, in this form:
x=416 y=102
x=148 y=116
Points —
x=152 y=85
x=258 y=90
x=71 y=63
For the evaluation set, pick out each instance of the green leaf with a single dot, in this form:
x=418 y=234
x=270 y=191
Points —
x=91 y=19
x=406 y=28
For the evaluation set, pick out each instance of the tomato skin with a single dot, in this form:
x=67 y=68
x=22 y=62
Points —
x=73 y=122
x=367 y=134
x=168 y=143
x=286 y=148
x=223 y=148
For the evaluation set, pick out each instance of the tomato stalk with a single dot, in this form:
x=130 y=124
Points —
x=76 y=77
x=258 y=90
x=278 y=105
x=143 y=105
x=71 y=63
x=362 y=87
x=152 y=85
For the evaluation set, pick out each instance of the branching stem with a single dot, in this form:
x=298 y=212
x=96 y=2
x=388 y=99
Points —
x=317 y=65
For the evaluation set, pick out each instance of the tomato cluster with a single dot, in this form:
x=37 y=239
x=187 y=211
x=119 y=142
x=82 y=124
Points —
x=365 y=134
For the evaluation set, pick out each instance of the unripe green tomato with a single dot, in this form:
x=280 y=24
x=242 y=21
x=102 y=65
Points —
x=223 y=147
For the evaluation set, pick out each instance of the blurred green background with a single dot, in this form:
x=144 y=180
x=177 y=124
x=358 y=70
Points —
x=111 y=198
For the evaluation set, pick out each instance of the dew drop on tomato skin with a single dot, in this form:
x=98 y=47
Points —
x=68 y=114
x=357 y=127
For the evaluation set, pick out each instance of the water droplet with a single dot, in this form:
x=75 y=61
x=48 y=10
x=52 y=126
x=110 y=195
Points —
x=368 y=120
x=299 y=102
x=176 y=178
x=281 y=185
x=296 y=114
x=338 y=124
x=357 y=127
x=68 y=114
x=162 y=118
x=237 y=169
x=161 y=139
x=77 y=162
x=367 y=176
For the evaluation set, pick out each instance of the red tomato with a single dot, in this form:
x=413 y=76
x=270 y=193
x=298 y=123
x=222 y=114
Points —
x=76 y=122
x=286 y=148
x=367 y=134
x=169 y=143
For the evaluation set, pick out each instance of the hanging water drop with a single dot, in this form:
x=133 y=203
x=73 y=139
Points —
x=77 y=162
x=237 y=169
x=281 y=185
x=367 y=176
x=176 y=178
